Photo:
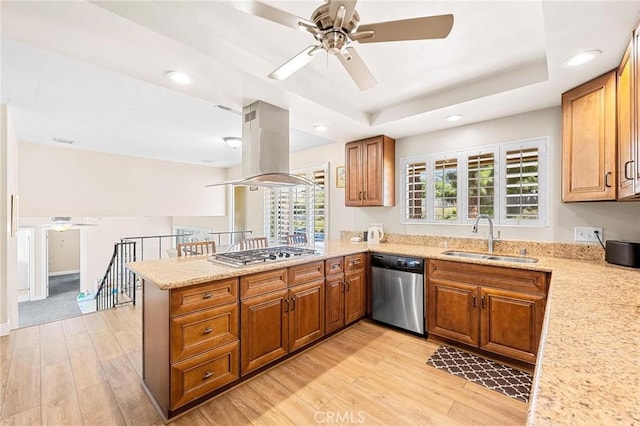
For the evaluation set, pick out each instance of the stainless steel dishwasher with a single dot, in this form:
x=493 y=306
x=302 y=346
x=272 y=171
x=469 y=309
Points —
x=398 y=291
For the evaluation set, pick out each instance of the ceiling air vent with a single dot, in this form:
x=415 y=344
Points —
x=228 y=109
x=62 y=140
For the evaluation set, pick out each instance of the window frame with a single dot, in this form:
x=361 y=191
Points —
x=500 y=190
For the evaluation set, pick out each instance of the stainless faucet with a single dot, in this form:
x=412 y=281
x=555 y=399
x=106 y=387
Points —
x=490 y=237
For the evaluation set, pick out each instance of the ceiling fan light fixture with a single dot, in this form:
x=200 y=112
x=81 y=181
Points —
x=581 y=58
x=233 y=142
x=454 y=117
x=179 y=77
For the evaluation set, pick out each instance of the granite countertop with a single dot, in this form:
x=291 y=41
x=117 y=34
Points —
x=588 y=368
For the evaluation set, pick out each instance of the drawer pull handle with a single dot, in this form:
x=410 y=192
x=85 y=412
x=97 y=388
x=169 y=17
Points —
x=335 y=266
x=483 y=304
x=286 y=305
x=207 y=295
x=606 y=180
x=355 y=262
x=207 y=375
x=346 y=287
x=342 y=286
x=364 y=195
x=628 y=176
x=207 y=330
x=474 y=301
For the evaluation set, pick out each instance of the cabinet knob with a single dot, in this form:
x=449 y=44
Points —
x=207 y=375
x=207 y=330
x=207 y=295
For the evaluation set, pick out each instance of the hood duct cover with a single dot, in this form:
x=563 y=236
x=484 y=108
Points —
x=265 y=148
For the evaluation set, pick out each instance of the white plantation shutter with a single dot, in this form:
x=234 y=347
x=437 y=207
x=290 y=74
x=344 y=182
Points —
x=445 y=189
x=482 y=193
x=506 y=182
x=298 y=209
x=415 y=190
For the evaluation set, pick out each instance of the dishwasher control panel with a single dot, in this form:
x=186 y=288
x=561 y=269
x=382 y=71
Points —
x=409 y=264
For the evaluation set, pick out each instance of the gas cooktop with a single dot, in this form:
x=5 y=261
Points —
x=268 y=254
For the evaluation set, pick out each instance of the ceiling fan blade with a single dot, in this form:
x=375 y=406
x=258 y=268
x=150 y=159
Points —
x=335 y=13
x=428 y=27
x=295 y=63
x=357 y=69
x=273 y=14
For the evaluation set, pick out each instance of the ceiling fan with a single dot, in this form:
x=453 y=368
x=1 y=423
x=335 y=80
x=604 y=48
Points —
x=334 y=25
x=63 y=223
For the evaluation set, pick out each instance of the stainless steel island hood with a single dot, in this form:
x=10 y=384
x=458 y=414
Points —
x=265 y=148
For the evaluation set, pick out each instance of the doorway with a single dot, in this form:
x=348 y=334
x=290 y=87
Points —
x=26 y=265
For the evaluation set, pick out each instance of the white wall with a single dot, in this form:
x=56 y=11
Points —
x=8 y=243
x=620 y=220
x=61 y=181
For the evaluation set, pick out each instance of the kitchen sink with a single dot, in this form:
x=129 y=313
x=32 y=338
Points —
x=488 y=256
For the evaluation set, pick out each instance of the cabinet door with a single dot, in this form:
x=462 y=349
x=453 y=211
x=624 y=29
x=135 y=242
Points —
x=626 y=128
x=334 y=307
x=264 y=330
x=306 y=313
x=373 y=164
x=353 y=174
x=511 y=323
x=355 y=300
x=636 y=91
x=589 y=161
x=453 y=311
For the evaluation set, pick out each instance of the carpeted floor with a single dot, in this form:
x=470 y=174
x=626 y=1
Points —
x=490 y=374
x=61 y=303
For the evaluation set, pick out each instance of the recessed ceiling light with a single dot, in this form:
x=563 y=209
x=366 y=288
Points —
x=233 y=142
x=454 y=117
x=320 y=128
x=62 y=140
x=581 y=58
x=207 y=161
x=179 y=77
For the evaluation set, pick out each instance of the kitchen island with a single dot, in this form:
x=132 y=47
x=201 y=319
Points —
x=588 y=368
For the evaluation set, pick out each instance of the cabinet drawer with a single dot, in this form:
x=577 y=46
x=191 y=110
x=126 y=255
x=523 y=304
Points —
x=202 y=330
x=197 y=376
x=492 y=276
x=334 y=266
x=202 y=296
x=306 y=273
x=355 y=262
x=263 y=282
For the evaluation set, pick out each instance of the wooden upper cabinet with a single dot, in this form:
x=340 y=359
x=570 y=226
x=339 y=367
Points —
x=635 y=87
x=370 y=172
x=626 y=128
x=589 y=141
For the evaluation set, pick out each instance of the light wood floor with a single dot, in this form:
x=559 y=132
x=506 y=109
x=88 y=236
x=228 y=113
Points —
x=86 y=370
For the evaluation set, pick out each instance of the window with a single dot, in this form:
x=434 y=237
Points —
x=297 y=210
x=505 y=182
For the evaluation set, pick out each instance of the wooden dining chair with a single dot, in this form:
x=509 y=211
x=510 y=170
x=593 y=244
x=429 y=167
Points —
x=297 y=240
x=254 y=243
x=199 y=248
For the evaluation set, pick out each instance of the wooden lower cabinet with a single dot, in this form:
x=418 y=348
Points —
x=306 y=314
x=511 y=323
x=334 y=310
x=264 y=334
x=454 y=312
x=355 y=296
x=487 y=308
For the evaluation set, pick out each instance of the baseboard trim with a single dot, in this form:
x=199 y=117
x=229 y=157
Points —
x=5 y=328
x=55 y=274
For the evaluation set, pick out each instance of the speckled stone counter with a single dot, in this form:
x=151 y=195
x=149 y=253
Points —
x=588 y=368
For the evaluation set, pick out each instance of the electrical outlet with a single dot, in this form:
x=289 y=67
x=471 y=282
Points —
x=587 y=233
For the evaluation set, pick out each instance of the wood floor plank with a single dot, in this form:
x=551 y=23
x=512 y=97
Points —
x=256 y=408
x=134 y=404
x=307 y=390
x=62 y=412
x=118 y=370
x=287 y=403
x=98 y=406
x=86 y=373
x=220 y=411
x=57 y=382
x=470 y=416
x=27 y=338
x=192 y=418
x=136 y=360
x=53 y=351
x=23 y=383
x=51 y=331
x=28 y=417
x=105 y=344
x=94 y=323
x=73 y=325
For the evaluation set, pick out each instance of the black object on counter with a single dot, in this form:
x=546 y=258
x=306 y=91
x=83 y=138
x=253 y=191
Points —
x=625 y=253
x=365 y=235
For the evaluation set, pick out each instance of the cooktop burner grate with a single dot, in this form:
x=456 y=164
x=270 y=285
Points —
x=268 y=254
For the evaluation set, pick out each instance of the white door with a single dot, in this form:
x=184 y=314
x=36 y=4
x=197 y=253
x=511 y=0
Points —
x=25 y=264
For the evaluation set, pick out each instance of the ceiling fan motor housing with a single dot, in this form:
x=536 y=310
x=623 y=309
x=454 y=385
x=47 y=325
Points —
x=334 y=39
